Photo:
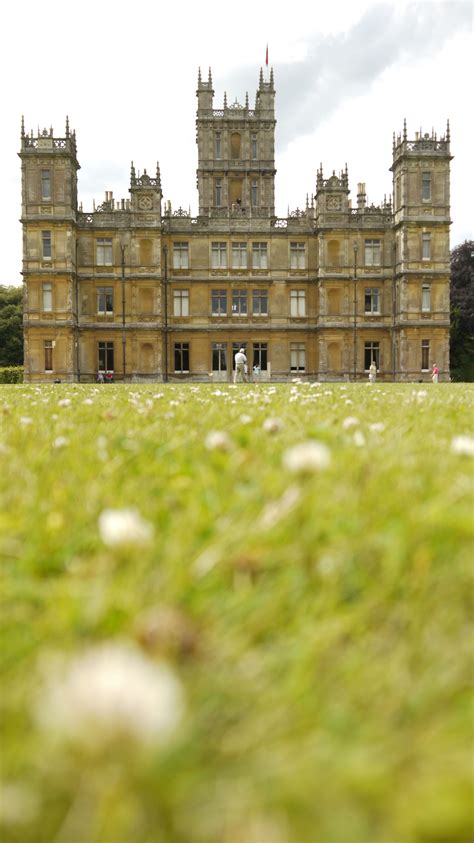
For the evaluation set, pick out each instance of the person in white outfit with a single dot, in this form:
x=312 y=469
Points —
x=240 y=366
x=372 y=372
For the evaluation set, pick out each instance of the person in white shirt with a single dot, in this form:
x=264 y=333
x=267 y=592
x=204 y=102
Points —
x=240 y=366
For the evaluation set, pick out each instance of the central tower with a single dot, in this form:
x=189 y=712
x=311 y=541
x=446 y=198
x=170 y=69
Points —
x=236 y=152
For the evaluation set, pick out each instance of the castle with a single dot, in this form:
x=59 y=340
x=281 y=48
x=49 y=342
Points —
x=153 y=294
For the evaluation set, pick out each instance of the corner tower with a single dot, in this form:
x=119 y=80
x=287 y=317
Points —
x=236 y=152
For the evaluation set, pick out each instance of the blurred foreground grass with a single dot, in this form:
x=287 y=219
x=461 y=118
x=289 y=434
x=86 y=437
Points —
x=310 y=615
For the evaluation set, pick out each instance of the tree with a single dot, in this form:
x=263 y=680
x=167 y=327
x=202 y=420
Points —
x=11 y=326
x=462 y=312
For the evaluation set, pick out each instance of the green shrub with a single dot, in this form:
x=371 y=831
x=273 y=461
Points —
x=11 y=374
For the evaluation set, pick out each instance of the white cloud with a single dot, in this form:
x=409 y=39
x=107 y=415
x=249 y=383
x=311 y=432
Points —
x=346 y=74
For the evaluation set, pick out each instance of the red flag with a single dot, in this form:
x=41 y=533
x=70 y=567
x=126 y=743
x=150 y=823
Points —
x=266 y=57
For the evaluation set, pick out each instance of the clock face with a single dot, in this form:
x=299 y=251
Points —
x=145 y=203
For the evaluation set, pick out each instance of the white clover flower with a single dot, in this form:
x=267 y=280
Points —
x=119 y=527
x=245 y=419
x=350 y=421
x=307 y=457
x=377 y=427
x=463 y=445
x=64 y=402
x=88 y=401
x=110 y=691
x=272 y=425
x=276 y=510
x=60 y=442
x=359 y=439
x=218 y=440
x=25 y=420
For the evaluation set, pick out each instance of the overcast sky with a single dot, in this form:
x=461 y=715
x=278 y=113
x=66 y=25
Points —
x=346 y=74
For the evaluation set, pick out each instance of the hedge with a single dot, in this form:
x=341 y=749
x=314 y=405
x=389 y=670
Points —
x=11 y=374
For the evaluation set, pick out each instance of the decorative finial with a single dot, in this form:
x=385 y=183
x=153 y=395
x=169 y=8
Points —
x=246 y=99
x=158 y=175
x=67 y=126
x=261 y=78
x=209 y=79
x=271 y=78
x=225 y=99
x=132 y=174
x=22 y=126
x=199 y=78
x=404 y=129
x=448 y=133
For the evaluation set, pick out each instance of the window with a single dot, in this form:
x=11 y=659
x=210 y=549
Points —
x=105 y=300
x=218 y=193
x=297 y=303
x=426 y=298
x=260 y=355
x=239 y=302
x=259 y=256
x=46 y=244
x=180 y=256
x=426 y=246
x=181 y=357
x=297 y=256
x=48 y=355
x=254 y=147
x=219 y=256
x=239 y=256
x=425 y=355
x=373 y=253
x=47 y=297
x=297 y=356
x=254 y=192
x=372 y=300
x=104 y=251
x=106 y=356
x=219 y=302
x=371 y=352
x=426 y=187
x=45 y=184
x=219 y=357
x=180 y=302
x=218 y=145
x=260 y=302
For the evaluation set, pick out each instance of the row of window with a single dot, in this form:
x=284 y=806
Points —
x=239 y=299
x=223 y=356
x=239 y=253
x=235 y=145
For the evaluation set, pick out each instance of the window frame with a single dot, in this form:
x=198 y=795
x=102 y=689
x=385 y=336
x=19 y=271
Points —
x=180 y=254
x=426 y=185
x=371 y=352
x=48 y=348
x=46 y=195
x=373 y=251
x=107 y=296
x=218 y=254
x=298 y=355
x=297 y=297
x=260 y=355
x=218 y=296
x=426 y=298
x=426 y=246
x=239 y=252
x=260 y=301
x=47 y=291
x=297 y=255
x=259 y=254
x=104 y=255
x=218 y=357
x=180 y=303
x=425 y=355
x=46 y=245
x=239 y=306
x=181 y=352
x=106 y=350
x=373 y=294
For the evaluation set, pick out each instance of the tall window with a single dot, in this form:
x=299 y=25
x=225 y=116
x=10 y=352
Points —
x=181 y=357
x=425 y=355
x=297 y=256
x=218 y=193
x=104 y=251
x=426 y=186
x=426 y=298
x=297 y=356
x=254 y=194
x=219 y=357
x=373 y=253
x=48 y=355
x=235 y=145
x=219 y=255
x=260 y=302
x=259 y=256
x=219 y=302
x=47 y=297
x=218 y=149
x=180 y=302
x=426 y=246
x=180 y=255
x=46 y=244
x=105 y=300
x=371 y=352
x=372 y=300
x=239 y=256
x=46 y=184
x=253 y=145
x=297 y=303
x=239 y=302
x=260 y=355
x=105 y=356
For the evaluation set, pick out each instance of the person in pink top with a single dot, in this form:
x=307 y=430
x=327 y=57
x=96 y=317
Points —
x=435 y=373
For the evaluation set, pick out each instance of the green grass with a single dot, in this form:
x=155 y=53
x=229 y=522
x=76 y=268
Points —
x=318 y=622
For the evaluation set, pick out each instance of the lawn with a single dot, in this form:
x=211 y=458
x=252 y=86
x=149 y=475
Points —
x=236 y=614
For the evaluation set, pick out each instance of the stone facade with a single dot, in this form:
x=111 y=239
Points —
x=155 y=294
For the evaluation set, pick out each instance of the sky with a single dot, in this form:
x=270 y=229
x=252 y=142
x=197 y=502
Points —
x=346 y=75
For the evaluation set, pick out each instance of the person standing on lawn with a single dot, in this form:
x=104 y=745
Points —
x=240 y=366
x=435 y=373
x=372 y=372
